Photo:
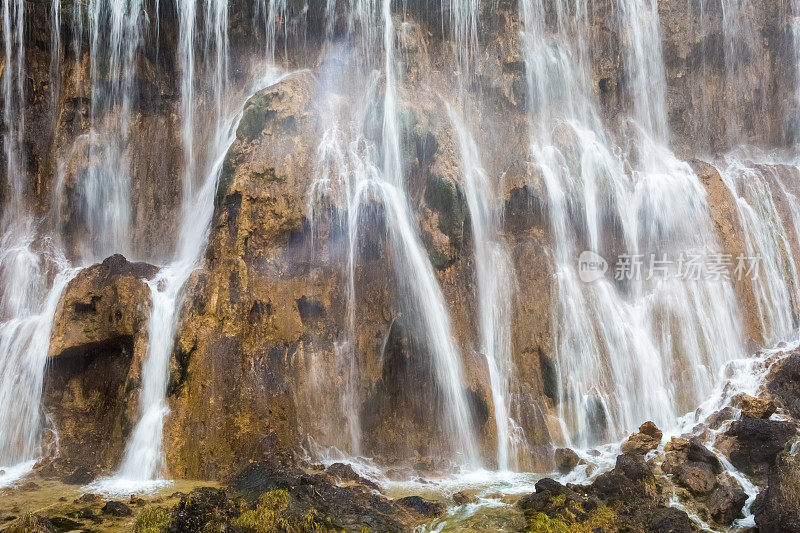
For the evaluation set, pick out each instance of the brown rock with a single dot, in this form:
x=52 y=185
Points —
x=566 y=460
x=461 y=498
x=777 y=509
x=116 y=508
x=98 y=341
x=695 y=476
x=752 y=444
x=753 y=407
x=647 y=438
x=88 y=498
x=421 y=506
x=725 y=502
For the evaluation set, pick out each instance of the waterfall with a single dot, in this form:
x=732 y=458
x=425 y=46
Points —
x=647 y=82
x=775 y=284
x=634 y=345
x=623 y=346
x=115 y=36
x=186 y=42
x=14 y=98
x=24 y=343
x=143 y=463
x=358 y=173
x=494 y=279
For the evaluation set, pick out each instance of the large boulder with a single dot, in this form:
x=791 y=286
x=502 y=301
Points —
x=752 y=444
x=98 y=342
x=777 y=509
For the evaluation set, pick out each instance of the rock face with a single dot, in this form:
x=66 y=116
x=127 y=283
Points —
x=776 y=508
x=99 y=339
x=753 y=444
x=247 y=345
x=783 y=383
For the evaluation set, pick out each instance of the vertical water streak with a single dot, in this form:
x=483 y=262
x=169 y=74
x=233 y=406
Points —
x=767 y=242
x=276 y=17
x=187 y=15
x=13 y=101
x=355 y=171
x=794 y=131
x=415 y=272
x=493 y=275
x=55 y=52
x=115 y=36
x=647 y=81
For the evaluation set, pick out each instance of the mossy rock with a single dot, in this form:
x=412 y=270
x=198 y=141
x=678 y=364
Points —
x=448 y=201
x=257 y=113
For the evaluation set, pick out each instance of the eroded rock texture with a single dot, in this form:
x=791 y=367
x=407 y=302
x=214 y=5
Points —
x=98 y=343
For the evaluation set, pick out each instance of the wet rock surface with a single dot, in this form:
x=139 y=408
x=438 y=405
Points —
x=98 y=342
x=647 y=438
x=566 y=460
x=627 y=498
x=778 y=507
x=637 y=495
x=752 y=445
x=783 y=383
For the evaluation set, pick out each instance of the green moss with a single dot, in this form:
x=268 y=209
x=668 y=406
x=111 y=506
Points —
x=267 y=517
x=257 y=112
x=600 y=520
x=541 y=523
x=152 y=520
x=448 y=201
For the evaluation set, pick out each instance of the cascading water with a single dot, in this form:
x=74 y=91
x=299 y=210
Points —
x=115 y=37
x=621 y=347
x=643 y=346
x=359 y=177
x=143 y=462
x=24 y=343
x=26 y=306
x=494 y=279
x=765 y=236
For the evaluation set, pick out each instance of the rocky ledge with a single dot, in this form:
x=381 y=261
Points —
x=693 y=482
x=264 y=497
